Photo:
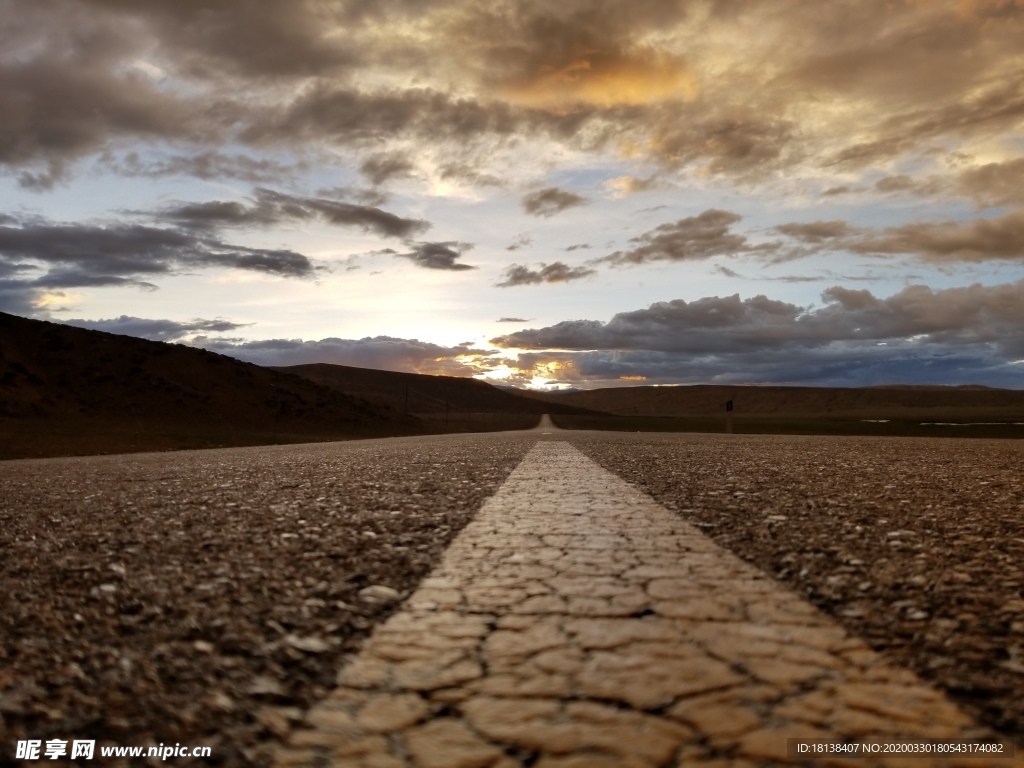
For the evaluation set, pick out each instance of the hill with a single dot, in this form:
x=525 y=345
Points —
x=899 y=410
x=865 y=402
x=429 y=397
x=67 y=390
x=708 y=400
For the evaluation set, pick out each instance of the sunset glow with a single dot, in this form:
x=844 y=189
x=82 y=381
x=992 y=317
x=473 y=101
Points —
x=576 y=194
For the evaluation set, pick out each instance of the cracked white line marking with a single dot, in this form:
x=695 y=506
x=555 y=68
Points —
x=577 y=623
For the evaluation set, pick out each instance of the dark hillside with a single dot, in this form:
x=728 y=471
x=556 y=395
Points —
x=424 y=395
x=66 y=390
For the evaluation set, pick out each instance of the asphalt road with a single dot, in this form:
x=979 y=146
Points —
x=207 y=597
x=168 y=597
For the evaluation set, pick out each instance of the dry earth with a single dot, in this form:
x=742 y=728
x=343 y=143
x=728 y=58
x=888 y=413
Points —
x=917 y=545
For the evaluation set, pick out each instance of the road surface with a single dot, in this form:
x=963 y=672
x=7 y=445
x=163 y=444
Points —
x=213 y=597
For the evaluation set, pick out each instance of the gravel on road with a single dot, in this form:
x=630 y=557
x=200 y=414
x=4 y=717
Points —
x=915 y=544
x=209 y=597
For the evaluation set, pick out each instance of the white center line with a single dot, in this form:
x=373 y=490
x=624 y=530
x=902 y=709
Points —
x=576 y=623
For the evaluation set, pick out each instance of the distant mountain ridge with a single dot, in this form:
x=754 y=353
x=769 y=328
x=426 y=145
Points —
x=71 y=390
x=422 y=394
x=709 y=399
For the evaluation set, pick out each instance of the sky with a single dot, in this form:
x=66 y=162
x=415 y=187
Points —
x=583 y=193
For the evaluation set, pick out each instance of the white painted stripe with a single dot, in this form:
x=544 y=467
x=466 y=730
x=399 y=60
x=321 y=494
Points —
x=577 y=623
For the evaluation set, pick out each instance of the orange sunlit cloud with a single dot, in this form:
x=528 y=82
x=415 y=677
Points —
x=605 y=80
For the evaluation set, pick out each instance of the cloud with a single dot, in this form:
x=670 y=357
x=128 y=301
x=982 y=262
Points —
x=271 y=208
x=383 y=167
x=834 y=366
x=253 y=38
x=718 y=325
x=120 y=255
x=438 y=255
x=381 y=352
x=63 y=92
x=977 y=240
x=556 y=272
x=662 y=82
x=998 y=238
x=468 y=173
x=815 y=232
x=722 y=139
x=129 y=249
x=624 y=186
x=693 y=238
x=549 y=201
x=157 y=330
x=207 y=165
x=351 y=117
x=512 y=320
x=522 y=241
x=957 y=335
x=993 y=184
x=17 y=298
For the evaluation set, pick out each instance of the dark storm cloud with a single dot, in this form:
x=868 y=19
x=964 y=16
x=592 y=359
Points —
x=156 y=330
x=82 y=255
x=270 y=208
x=919 y=335
x=381 y=352
x=256 y=38
x=64 y=91
x=438 y=255
x=549 y=201
x=556 y=272
x=76 y=278
x=955 y=316
x=17 y=298
x=55 y=111
x=839 y=365
x=693 y=238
